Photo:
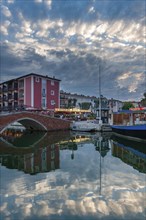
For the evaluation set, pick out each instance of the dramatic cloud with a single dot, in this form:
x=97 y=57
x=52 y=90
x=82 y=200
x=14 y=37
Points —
x=70 y=39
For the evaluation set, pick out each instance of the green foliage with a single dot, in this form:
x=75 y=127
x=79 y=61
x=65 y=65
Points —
x=127 y=105
x=143 y=101
x=72 y=103
x=85 y=105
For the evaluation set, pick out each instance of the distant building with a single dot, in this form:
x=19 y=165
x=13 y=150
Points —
x=69 y=100
x=103 y=112
x=136 y=104
x=114 y=105
x=32 y=90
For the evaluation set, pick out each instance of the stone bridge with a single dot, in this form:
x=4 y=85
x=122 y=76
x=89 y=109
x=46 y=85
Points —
x=33 y=121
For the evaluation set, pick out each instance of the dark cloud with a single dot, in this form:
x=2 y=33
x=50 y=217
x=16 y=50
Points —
x=79 y=72
x=71 y=53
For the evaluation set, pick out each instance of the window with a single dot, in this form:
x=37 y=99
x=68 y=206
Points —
x=44 y=92
x=52 y=102
x=52 y=82
x=52 y=165
x=37 y=79
x=44 y=103
x=21 y=94
x=52 y=155
x=52 y=92
x=21 y=83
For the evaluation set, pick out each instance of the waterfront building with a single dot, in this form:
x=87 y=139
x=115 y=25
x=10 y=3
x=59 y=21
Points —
x=114 y=105
x=30 y=91
x=71 y=100
x=102 y=112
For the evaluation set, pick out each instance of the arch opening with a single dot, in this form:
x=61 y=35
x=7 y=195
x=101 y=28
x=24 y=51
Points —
x=32 y=124
x=28 y=123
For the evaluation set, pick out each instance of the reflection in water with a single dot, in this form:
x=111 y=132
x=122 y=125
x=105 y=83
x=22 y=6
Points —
x=33 y=154
x=41 y=160
x=130 y=152
x=89 y=182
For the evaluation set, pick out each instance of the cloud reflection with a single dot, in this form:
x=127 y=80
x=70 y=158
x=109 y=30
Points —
x=76 y=190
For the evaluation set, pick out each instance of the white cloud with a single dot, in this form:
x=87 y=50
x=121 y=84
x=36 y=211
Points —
x=48 y=3
x=5 y=11
x=38 y=1
x=4 y=27
x=10 y=1
x=130 y=80
x=91 y=10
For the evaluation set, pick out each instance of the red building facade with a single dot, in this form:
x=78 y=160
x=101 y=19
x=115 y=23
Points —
x=32 y=90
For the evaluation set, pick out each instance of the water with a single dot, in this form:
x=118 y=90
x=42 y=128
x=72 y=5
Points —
x=72 y=176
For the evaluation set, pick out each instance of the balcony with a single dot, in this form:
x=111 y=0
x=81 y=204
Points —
x=21 y=84
x=10 y=97
x=5 y=98
x=21 y=96
x=5 y=89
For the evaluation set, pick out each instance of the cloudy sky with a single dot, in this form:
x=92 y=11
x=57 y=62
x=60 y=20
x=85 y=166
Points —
x=74 y=39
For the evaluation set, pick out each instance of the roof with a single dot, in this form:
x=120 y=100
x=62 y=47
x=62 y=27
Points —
x=30 y=74
x=129 y=111
x=39 y=75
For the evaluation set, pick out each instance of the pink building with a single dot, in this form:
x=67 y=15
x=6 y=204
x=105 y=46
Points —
x=32 y=90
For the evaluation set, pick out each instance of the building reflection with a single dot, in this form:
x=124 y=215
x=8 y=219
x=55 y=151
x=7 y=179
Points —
x=130 y=152
x=34 y=152
x=102 y=145
x=40 y=152
x=42 y=160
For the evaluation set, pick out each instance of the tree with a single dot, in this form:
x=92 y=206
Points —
x=143 y=101
x=127 y=105
x=85 y=105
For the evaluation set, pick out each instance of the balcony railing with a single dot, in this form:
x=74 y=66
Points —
x=12 y=88
x=5 y=99
x=5 y=89
x=21 y=96
x=10 y=97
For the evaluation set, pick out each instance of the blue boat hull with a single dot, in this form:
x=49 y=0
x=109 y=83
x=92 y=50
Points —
x=135 y=131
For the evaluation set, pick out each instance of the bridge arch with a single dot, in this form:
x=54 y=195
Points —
x=29 y=124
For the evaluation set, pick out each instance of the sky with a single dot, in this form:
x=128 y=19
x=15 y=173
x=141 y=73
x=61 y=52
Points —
x=78 y=42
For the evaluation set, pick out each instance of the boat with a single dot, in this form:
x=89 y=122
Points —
x=130 y=131
x=86 y=126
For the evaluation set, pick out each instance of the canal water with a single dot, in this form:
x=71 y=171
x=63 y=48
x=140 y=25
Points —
x=72 y=176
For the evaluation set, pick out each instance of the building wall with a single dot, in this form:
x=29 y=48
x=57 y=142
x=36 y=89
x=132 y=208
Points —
x=37 y=81
x=65 y=97
x=52 y=94
x=27 y=91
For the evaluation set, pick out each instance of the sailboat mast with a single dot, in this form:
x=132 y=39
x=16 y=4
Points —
x=99 y=95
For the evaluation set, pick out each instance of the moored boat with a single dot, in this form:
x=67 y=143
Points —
x=130 y=131
x=87 y=126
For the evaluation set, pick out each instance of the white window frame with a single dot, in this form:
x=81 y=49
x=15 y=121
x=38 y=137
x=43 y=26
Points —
x=52 y=92
x=43 y=102
x=44 y=92
x=52 y=102
x=52 y=82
